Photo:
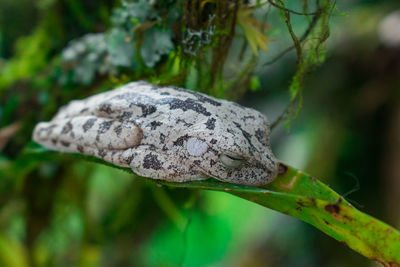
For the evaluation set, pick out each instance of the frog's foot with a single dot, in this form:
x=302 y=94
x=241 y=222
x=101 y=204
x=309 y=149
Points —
x=104 y=138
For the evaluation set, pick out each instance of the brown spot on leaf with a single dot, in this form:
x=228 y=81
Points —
x=334 y=210
x=300 y=203
x=282 y=169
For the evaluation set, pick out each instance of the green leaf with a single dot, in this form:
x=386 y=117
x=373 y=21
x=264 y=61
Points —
x=250 y=26
x=86 y=57
x=300 y=195
x=156 y=43
x=306 y=198
x=140 y=10
x=255 y=83
x=120 y=48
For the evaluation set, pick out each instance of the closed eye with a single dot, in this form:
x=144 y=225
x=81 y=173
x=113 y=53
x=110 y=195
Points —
x=232 y=161
x=233 y=157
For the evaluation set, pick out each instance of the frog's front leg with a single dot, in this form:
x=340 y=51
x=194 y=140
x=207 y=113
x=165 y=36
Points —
x=147 y=162
x=90 y=135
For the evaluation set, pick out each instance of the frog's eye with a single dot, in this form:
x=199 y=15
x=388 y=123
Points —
x=231 y=160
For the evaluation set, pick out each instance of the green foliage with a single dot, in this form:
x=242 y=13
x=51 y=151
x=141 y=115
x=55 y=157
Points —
x=302 y=196
x=58 y=210
x=156 y=43
x=310 y=51
x=31 y=56
x=91 y=55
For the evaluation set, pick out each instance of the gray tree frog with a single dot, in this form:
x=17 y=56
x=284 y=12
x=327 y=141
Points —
x=166 y=133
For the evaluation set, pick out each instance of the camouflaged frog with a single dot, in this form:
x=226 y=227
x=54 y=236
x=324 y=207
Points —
x=166 y=133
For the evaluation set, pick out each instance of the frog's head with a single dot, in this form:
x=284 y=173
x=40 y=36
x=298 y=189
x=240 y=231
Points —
x=234 y=147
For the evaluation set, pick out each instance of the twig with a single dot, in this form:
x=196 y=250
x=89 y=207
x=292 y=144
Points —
x=291 y=11
x=310 y=27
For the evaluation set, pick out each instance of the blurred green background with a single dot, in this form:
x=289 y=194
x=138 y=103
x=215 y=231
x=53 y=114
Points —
x=69 y=212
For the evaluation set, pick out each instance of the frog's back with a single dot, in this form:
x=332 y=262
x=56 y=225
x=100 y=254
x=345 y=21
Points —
x=146 y=97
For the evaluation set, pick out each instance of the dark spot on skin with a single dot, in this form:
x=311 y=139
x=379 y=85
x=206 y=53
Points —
x=210 y=124
x=145 y=103
x=333 y=209
x=212 y=162
x=208 y=100
x=155 y=124
x=104 y=126
x=180 y=140
x=186 y=124
x=88 y=124
x=83 y=110
x=213 y=141
x=232 y=111
x=54 y=141
x=262 y=167
x=129 y=159
x=248 y=117
x=72 y=134
x=48 y=129
x=118 y=129
x=164 y=93
x=200 y=97
x=188 y=104
x=148 y=104
x=245 y=134
x=151 y=161
x=102 y=153
x=230 y=131
x=261 y=137
x=147 y=109
x=66 y=144
x=197 y=162
x=106 y=108
x=80 y=148
x=162 y=138
x=282 y=169
x=67 y=128
x=126 y=115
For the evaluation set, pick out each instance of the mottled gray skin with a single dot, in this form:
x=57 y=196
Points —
x=166 y=133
